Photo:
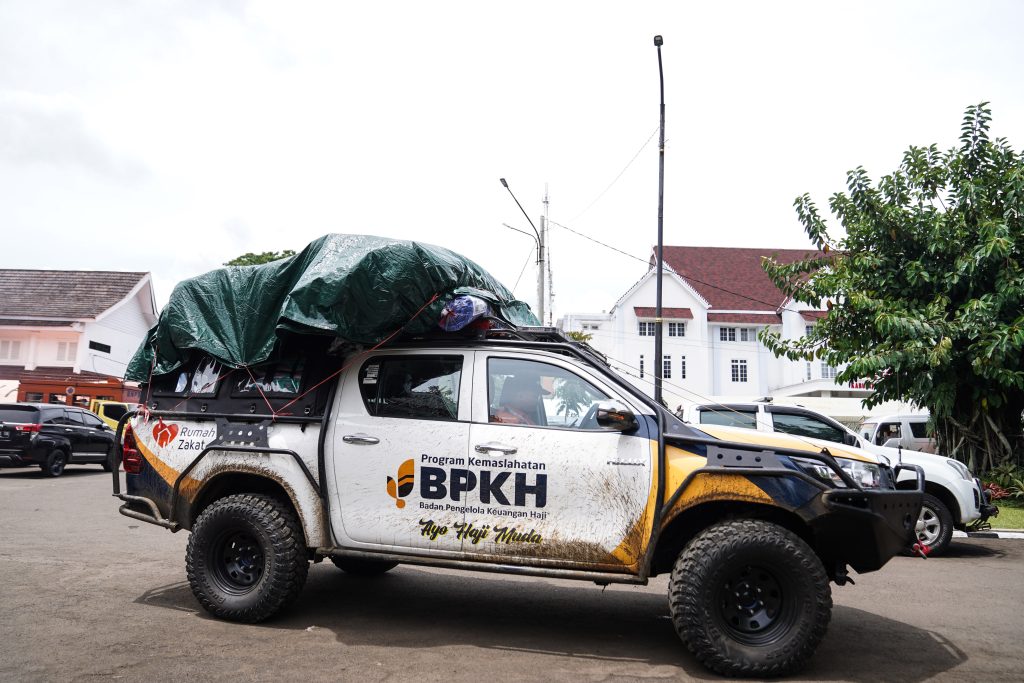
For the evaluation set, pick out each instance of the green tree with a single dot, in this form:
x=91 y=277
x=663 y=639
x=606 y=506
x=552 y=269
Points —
x=252 y=259
x=579 y=336
x=926 y=290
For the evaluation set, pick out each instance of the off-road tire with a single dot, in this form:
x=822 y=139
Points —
x=55 y=463
x=360 y=567
x=934 y=512
x=733 y=560
x=246 y=557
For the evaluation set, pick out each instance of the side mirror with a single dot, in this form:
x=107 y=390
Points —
x=850 y=439
x=616 y=416
x=892 y=443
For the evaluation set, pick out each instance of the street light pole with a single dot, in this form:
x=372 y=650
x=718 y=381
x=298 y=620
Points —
x=538 y=238
x=659 y=361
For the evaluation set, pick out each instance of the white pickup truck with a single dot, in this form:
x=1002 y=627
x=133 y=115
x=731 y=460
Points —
x=953 y=496
x=523 y=455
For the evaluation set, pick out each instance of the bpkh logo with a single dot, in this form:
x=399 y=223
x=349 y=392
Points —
x=437 y=483
x=402 y=486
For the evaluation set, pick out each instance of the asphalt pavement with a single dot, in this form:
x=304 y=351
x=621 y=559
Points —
x=87 y=594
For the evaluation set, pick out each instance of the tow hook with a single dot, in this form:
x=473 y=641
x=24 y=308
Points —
x=922 y=550
x=843 y=577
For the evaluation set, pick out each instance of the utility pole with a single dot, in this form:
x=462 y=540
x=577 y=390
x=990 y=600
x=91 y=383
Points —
x=549 y=294
x=538 y=238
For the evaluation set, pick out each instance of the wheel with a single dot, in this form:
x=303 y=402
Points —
x=750 y=598
x=55 y=463
x=360 y=567
x=934 y=524
x=246 y=557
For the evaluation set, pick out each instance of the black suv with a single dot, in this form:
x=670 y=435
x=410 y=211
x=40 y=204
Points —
x=52 y=436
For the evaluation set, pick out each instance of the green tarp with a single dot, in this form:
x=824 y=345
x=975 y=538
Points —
x=360 y=288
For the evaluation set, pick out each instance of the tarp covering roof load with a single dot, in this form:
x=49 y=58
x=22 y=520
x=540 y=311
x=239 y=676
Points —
x=360 y=288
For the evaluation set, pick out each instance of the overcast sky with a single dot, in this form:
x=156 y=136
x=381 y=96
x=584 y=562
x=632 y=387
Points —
x=173 y=136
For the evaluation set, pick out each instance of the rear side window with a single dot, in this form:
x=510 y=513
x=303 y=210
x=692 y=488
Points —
x=281 y=378
x=729 y=418
x=803 y=425
x=417 y=387
x=919 y=430
x=886 y=431
x=89 y=419
x=19 y=414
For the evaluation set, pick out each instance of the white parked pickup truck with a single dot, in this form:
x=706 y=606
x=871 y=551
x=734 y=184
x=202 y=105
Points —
x=953 y=496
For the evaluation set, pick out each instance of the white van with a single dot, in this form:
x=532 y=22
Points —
x=909 y=431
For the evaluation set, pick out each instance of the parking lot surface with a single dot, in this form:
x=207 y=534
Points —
x=90 y=595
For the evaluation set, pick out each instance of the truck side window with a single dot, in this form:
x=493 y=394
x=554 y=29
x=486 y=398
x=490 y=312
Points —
x=281 y=378
x=729 y=418
x=919 y=430
x=416 y=387
x=205 y=378
x=531 y=393
x=803 y=425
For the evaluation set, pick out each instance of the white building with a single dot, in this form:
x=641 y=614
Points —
x=68 y=335
x=715 y=301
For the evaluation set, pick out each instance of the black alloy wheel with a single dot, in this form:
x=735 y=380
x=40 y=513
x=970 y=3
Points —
x=55 y=463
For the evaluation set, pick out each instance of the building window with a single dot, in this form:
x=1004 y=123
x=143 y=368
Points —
x=33 y=397
x=827 y=371
x=10 y=349
x=666 y=367
x=96 y=346
x=67 y=351
x=682 y=367
x=677 y=329
x=808 y=371
x=727 y=334
x=808 y=329
x=588 y=326
x=646 y=329
x=747 y=334
x=739 y=370
x=641 y=366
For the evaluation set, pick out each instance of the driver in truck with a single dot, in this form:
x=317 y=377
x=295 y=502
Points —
x=520 y=401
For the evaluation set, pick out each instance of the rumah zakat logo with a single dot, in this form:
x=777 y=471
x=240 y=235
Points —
x=402 y=486
x=164 y=433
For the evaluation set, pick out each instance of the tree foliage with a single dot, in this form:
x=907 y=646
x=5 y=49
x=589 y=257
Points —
x=926 y=290
x=252 y=259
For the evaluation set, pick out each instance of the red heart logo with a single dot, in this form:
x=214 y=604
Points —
x=164 y=433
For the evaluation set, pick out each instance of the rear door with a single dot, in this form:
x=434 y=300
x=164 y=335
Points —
x=402 y=422
x=99 y=436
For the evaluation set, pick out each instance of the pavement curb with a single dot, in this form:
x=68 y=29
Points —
x=993 y=533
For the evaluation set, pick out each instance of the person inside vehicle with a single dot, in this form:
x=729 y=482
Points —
x=520 y=401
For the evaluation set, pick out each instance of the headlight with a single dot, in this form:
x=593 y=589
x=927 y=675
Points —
x=960 y=468
x=867 y=474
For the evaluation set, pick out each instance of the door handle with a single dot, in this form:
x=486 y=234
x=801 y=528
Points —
x=360 y=439
x=490 y=447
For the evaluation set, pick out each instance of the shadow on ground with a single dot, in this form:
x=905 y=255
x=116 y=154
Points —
x=70 y=472
x=412 y=608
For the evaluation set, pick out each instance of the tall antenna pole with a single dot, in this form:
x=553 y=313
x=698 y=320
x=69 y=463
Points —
x=547 y=248
x=659 y=361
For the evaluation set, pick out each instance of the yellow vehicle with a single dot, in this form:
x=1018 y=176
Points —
x=110 y=411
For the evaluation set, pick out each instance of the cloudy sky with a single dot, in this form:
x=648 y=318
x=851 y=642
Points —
x=173 y=136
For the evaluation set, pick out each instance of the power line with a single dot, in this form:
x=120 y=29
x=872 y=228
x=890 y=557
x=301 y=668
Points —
x=624 y=169
x=687 y=276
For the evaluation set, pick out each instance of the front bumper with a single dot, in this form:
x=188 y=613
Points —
x=865 y=528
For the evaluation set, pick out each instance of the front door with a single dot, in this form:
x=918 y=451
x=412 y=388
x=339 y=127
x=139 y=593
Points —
x=547 y=481
x=402 y=423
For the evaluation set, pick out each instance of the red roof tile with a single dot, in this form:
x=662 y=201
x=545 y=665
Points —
x=755 y=318
x=732 y=278
x=648 y=312
x=813 y=315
